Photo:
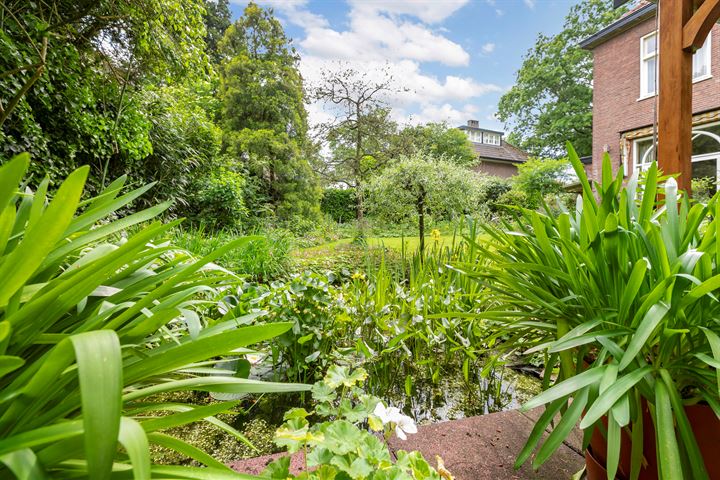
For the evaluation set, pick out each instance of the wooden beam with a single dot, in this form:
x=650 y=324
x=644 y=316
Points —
x=675 y=92
x=698 y=27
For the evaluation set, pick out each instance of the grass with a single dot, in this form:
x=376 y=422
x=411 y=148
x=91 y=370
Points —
x=394 y=243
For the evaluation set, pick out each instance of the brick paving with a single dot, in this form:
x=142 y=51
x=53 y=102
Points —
x=475 y=448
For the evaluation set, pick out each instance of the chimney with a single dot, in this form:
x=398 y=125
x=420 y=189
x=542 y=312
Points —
x=473 y=124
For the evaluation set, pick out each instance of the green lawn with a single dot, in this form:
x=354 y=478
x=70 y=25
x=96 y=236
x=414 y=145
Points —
x=395 y=243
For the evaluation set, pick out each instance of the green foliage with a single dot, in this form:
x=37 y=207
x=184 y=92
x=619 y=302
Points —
x=437 y=140
x=219 y=200
x=539 y=177
x=266 y=258
x=626 y=283
x=217 y=20
x=338 y=447
x=72 y=99
x=418 y=186
x=264 y=116
x=339 y=204
x=185 y=143
x=310 y=302
x=93 y=324
x=551 y=101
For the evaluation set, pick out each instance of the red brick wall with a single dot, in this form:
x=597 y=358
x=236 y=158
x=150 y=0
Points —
x=504 y=170
x=616 y=90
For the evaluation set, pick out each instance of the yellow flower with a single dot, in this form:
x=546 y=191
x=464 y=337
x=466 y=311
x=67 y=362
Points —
x=435 y=234
x=358 y=276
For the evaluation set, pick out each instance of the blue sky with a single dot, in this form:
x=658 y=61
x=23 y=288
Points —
x=455 y=57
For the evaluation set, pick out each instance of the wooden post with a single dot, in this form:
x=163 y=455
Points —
x=674 y=150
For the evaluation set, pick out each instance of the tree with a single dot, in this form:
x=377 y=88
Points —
x=438 y=140
x=539 y=177
x=418 y=186
x=263 y=114
x=360 y=134
x=551 y=101
x=217 y=20
x=72 y=76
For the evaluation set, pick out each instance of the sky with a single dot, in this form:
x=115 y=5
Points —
x=451 y=60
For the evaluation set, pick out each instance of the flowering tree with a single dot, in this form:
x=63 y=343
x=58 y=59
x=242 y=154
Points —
x=421 y=185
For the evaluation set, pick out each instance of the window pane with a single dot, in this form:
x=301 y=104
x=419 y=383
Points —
x=705 y=169
x=650 y=45
x=650 y=75
x=700 y=60
x=704 y=144
x=641 y=148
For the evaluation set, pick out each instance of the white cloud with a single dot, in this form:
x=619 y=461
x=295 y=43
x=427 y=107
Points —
x=426 y=11
x=499 y=12
x=375 y=36
x=396 y=36
x=530 y=4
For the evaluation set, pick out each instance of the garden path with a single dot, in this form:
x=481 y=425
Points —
x=476 y=448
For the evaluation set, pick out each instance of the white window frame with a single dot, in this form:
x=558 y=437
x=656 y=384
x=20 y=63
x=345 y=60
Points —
x=706 y=49
x=491 y=138
x=644 y=58
x=695 y=158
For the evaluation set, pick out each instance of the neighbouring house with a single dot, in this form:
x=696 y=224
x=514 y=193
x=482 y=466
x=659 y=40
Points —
x=496 y=156
x=625 y=92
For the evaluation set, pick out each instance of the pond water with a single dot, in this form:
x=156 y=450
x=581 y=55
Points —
x=452 y=398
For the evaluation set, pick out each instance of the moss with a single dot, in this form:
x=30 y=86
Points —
x=213 y=440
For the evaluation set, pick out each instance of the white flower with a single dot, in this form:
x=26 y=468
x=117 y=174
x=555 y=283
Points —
x=393 y=417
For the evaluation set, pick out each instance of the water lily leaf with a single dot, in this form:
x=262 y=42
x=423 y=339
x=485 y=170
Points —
x=339 y=375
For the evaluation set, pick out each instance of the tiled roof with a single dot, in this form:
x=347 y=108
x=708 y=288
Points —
x=504 y=152
x=640 y=12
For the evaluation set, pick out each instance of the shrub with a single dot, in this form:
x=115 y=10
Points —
x=541 y=176
x=218 y=201
x=94 y=325
x=491 y=188
x=340 y=204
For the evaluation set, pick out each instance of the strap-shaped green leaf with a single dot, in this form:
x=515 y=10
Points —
x=566 y=387
x=24 y=465
x=669 y=465
x=11 y=174
x=99 y=364
x=133 y=439
x=19 y=266
x=647 y=326
x=607 y=399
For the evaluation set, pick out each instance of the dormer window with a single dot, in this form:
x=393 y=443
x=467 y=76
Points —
x=491 y=138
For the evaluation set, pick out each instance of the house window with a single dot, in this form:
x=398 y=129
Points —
x=701 y=60
x=474 y=136
x=648 y=65
x=491 y=138
x=649 y=60
x=705 y=153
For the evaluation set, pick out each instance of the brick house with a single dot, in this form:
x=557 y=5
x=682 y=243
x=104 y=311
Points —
x=496 y=156
x=625 y=56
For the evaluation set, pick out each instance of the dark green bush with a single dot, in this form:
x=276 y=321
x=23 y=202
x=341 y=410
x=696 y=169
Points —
x=218 y=201
x=340 y=204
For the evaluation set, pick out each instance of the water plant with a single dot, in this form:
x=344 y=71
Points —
x=339 y=446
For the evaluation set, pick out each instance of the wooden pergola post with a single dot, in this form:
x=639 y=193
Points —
x=684 y=26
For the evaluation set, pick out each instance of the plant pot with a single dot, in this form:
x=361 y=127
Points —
x=705 y=425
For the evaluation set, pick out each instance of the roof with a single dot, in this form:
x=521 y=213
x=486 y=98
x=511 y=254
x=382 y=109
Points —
x=466 y=127
x=504 y=152
x=643 y=11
